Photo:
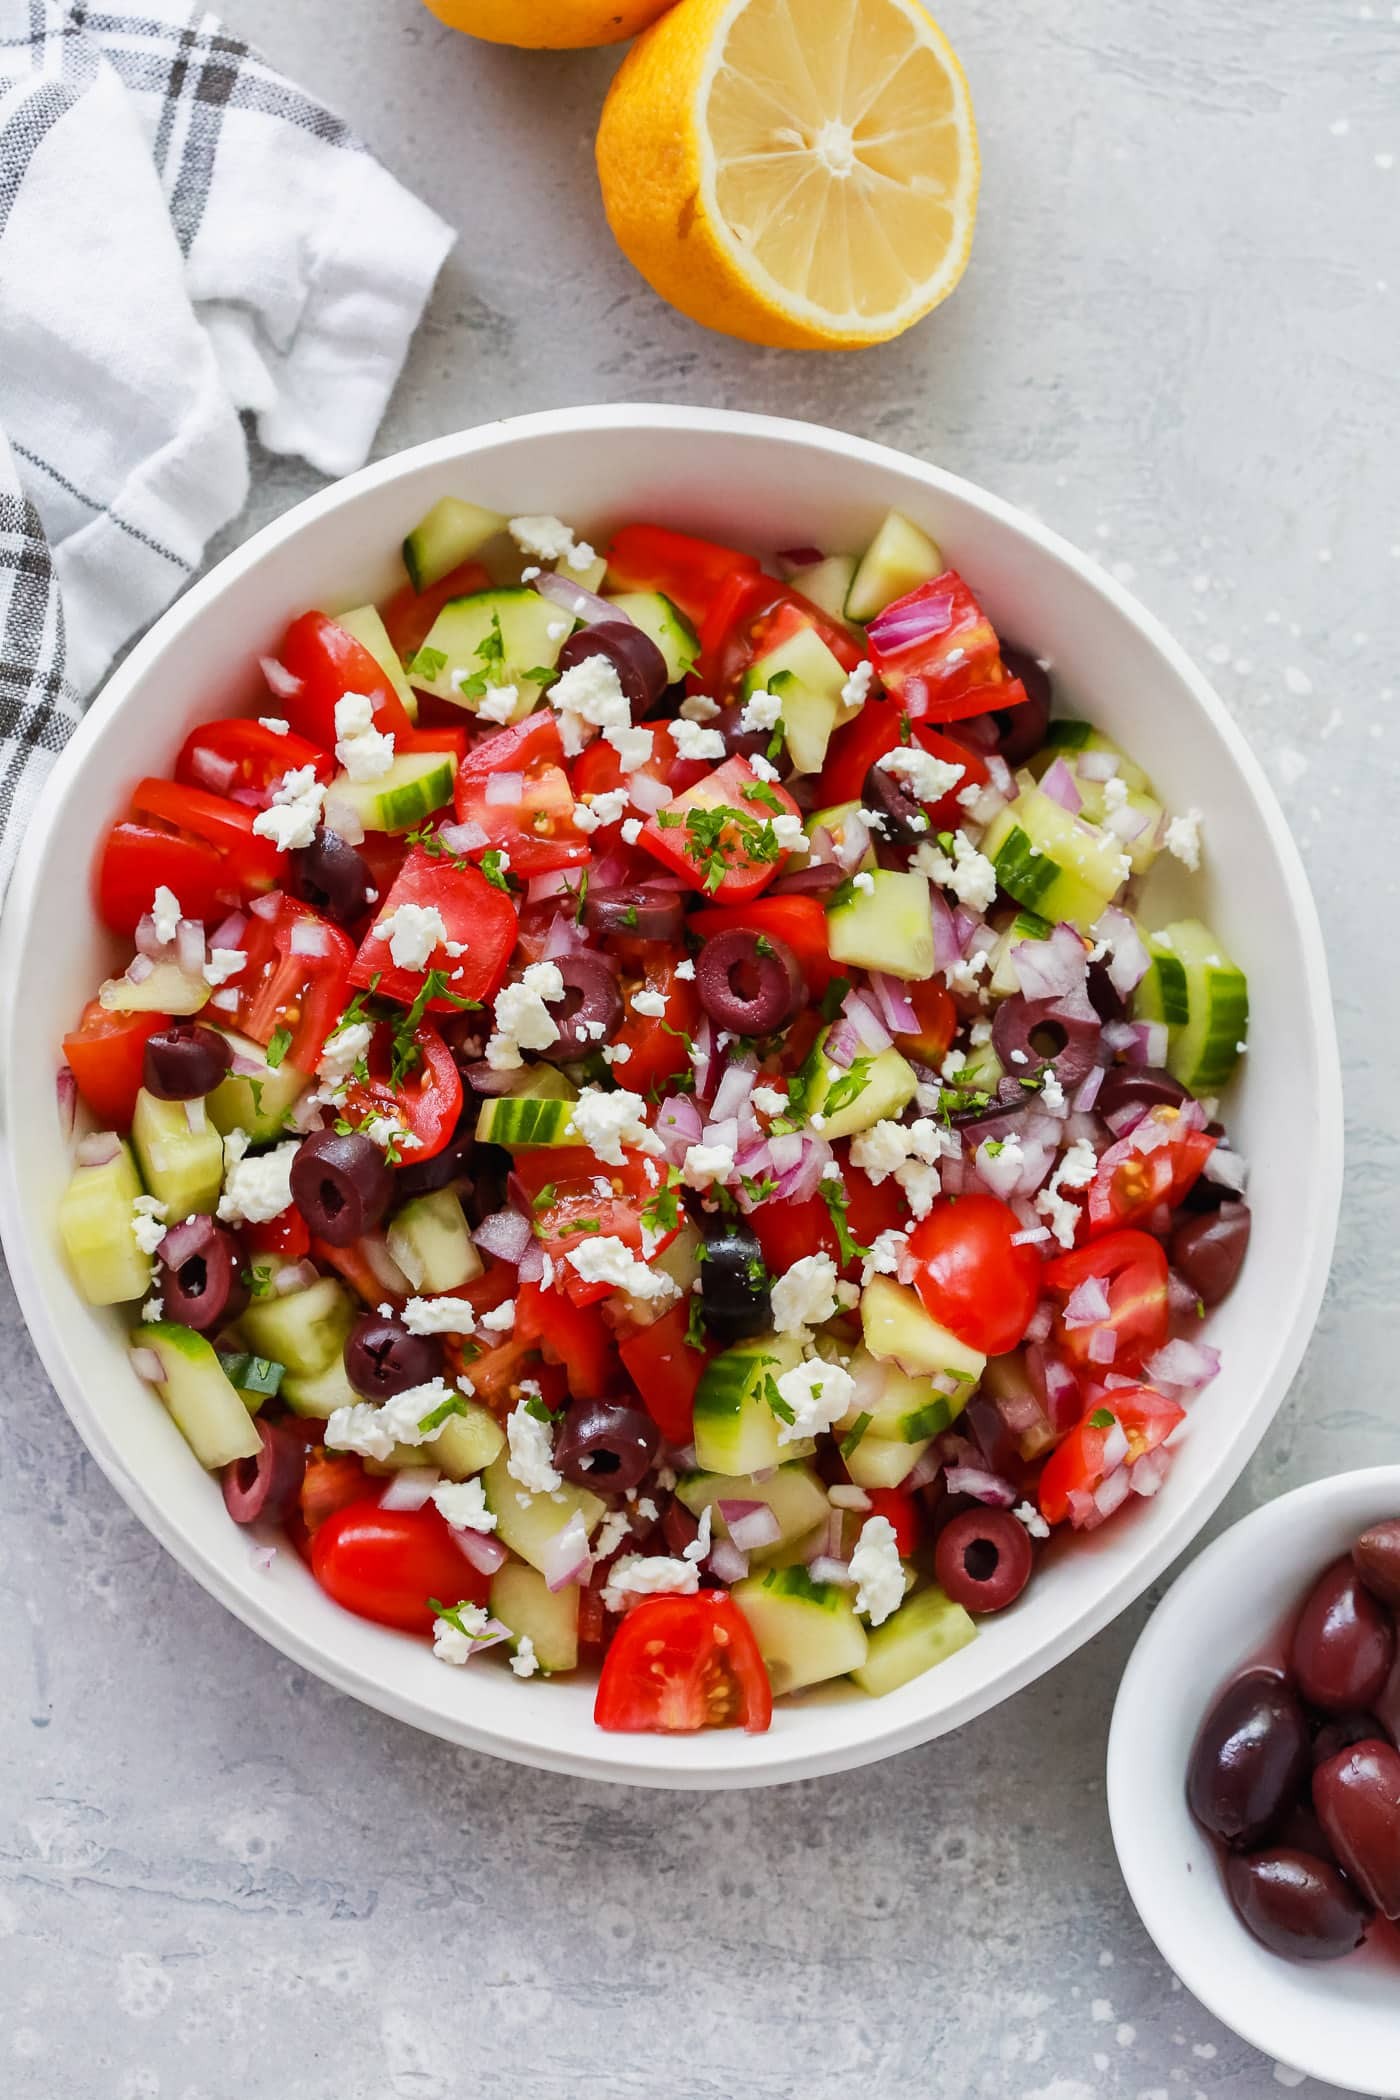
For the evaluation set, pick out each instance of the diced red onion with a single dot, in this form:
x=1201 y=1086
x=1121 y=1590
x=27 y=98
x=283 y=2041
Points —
x=243 y=1066
x=308 y=938
x=563 y=937
x=953 y=1175
x=1097 y=765
x=1147 y=1473
x=66 y=1095
x=139 y=969
x=850 y=850
x=614 y=869
x=566 y=1557
x=584 y=605
x=861 y=1011
x=985 y=1487
x=727 y=1562
x=751 y=1525
x=1111 y=1494
x=505 y=1234
x=1000 y=775
x=485 y=1079
x=1087 y=1303
x=821 y=847
x=725 y=1133
x=647 y=795
x=230 y=931
x=148 y=1366
x=463 y=838
x=678 y=1124
x=734 y=1090
x=410 y=1488
x=896 y=1007
x=795 y=558
x=1128 y=959
x=1126 y=823
x=343 y=819
x=841 y=1044
x=1137 y=1042
x=1226 y=1169
x=284 y=683
x=485 y=1552
x=196 y=1116
x=1103 y=1345
x=98 y=1148
x=293 y=1276
x=827 y=1568
x=1088 y=1092
x=703 y=1057
x=148 y=941
x=785 y=1150
x=804 y=1179
x=305 y=1115
x=925 y=1469
x=1058 y=783
x=1052 y=968
x=946 y=947
x=1032 y=1237
x=532 y=1263
x=212 y=772
x=373 y=1247
x=505 y=787
x=189 y=946
x=1183 y=1366
x=1115 y=1447
x=268 y=905
x=1041 y=1320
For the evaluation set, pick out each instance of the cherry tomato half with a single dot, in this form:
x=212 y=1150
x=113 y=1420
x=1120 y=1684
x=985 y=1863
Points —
x=106 y=1055
x=679 y=1664
x=972 y=1280
x=384 y=1564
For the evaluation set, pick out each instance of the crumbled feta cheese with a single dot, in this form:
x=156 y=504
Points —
x=343 y=1050
x=877 y=1571
x=1029 y=1515
x=365 y=752
x=587 y=697
x=963 y=974
x=258 y=1190
x=699 y=707
x=805 y=1296
x=498 y=703
x=412 y=931
x=501 y=1318
x=1052 y=1095
x=887 y=1146
x=614 y=1528
x=154 y=1308
x=856 y=691
x=1183 y=839
x=531 y=1453
x=463 y=1503
x=919 y=1182
x=439 y=1316
x=1001 y=1168
x=887 y=1251
x=548 y=539
x=864 y=881
x=652 y=1004
x=525 y=1662
x=603 y=1258
x=636 y=1576
x=453 y=1644
x=952 y=1065
x=600 y=809
x=631 y=830
x=1075 y=1171
x=523 y=1021
x=768 y=1101
x=707 y=1164
x=692 y=741
x=1078 y=1167
x=762 y=713
x=818 y=1394
x=969 y=874
x=761 y=769
x=224 y=963
x=616 y=1053
x=165 y=915
x=787 y=829
x=686 y=970
x=928 y=779
x=275 y=723
x=605 y=1122
x=374 y=1431
x=1115 y=793
x=700 y=1544
x=297 y=803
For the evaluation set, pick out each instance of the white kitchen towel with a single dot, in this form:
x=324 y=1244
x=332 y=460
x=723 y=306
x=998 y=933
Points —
x=184 y=236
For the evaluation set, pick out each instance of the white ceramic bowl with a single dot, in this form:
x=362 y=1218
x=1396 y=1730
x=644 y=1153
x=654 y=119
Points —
x=1336 y=2021
x=767 y=484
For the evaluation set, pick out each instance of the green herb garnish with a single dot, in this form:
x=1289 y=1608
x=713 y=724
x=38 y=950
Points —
x=1102 y=1418
x=278 y=1046
x=854 y=1434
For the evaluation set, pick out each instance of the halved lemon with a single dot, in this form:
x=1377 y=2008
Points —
x=549 y=25
x=797 y=172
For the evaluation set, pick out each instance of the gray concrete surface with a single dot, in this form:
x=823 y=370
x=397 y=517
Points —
x=1177 y=341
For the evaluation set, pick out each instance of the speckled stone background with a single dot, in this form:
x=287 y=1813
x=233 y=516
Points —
x=1178 y=343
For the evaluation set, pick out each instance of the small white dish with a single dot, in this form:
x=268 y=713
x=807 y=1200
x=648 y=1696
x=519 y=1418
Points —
x=1338 y=2021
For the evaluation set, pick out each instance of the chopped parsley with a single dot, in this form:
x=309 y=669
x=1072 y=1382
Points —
x=453 y=1615
x=406 y=1050
x=432 y=844
x=1102 y=1418
x=278 y=1046
x=834 y=1196
x=662 y=1211
x=760 y=791
x=775 y=1401
x=453 y=1405
x=535 y=1407
x=849 y=1087
x=757 y=1191
x=495 y=866
x=491 y=655
x=255 y=1088
x=428 y=664
x=545 y=1197
x=776 y=740
x=854 y=1434
x=695 y=1337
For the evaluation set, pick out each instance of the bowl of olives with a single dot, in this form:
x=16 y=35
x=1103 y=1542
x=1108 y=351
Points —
x=1254 y=1779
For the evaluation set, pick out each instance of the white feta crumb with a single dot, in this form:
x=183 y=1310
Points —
x=606 y=1121
x=707 y=1164
x=498 y=703
x=275 y=723
x=818 y=1393
x=523 y=1019
x=1183 y=839
x=1027 y=1514
x=761 y=769
x=1052 y=1095
x=501 y=1318
x=761 y=714
x=297 y=803
x=693 y=741
x=224 y=963
x=768 y=1101
x=610 y=1534
x=877 y=1571
x=699 y=707
x=653 y=1004
x=638 y=1576
x=531 y=1454
x=601 y=809
x=788 y=830
x=603 y=1258
x=258 y=1189
x=455 y=1643
x=365 y=752
x=165 y=915
x=588 y=697
x=927 y=778
x=700 y=1544
x=864 y=881
x=1115 y=793
x=438 y=1316
x=686 y=970
x=525 y=1662
x=631 y=830
x=856 y=691
x=413 y=931
x=463 y=1504
x=547 y=538
x=969 y=874
x=805 y=1296
x=153 y=1310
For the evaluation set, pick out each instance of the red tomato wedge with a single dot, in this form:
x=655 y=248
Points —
x=330 y=663
x=666 y=1371
x=576 y=1337
x=473 y=912
x=237 y=753
x=937 y=652
x=657 y=1053
x=385 y=1564
x=1135 y=1180
x=295 y=981
x=537 y=827
x=1132 y=1267
x=1074 y=1472
x=250 y=863
x=679 y=1664
x=799 y=921
x=972 y=1280
x=576 y=1197
x=688 y=571
x=418 y=1087
x=106 y=1053
x=719 y=834
x=937 y=1017
x=789 y=1229
x=749 y=617
x=138 y=858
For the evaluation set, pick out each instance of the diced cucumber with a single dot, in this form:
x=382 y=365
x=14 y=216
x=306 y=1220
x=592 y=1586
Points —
x=736 y=1431
x=181 y=1164
x=204 y=1406
x=257 y=1101
x=1203 y=997
x=833 y=821
x=806 y=1631
x=306 y=1330
x=898 y=1330
x=451 y=533
x=809 y=680
x=1053 y=863
x=590 y=579
x=899 y=558
x=522 y=1600
x=94 y=1224
x=886 y=927
x=898 y=1406
x=503 y=635
x=868 y=1091
x=166 y=990
x=468 y=1443
x=368 y=628
x=883 y=1462
x=526 y=1122
x=1003 y=982
x=1131 y=806
x=319 y=1393
x=416 y=783
x=667 y=626
x=527 y=1523
x=431 y=1244
x=794 y=1494
x=1068 y=739
x=827 y=584
x=925 y=1631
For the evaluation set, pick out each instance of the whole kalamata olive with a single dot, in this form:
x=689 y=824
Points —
x=332 y=876
x=1209 y=1250
x=750 y=983
x=184 y=1061
x=983 y=1559
x=341 y=1184
x=1377 y=1557
x=421 y=1177
x=201 y=1275
x=267 y=1486
x=1357 y=1798
x=734 y=1289
x=639 y=664
x=1251 y=1759
x=590 y=1012
x=606 y=1444
x=1062 y=1032
x=641 y=912
x=1343 y=1644
x=382 y=1358
x=1138 y=1086
x=817 y=879
x=1021 y=729
x=738 y=741
x=1297 y=1905
x=1388 y=1705
x=1341 y=1733
x=900 y=818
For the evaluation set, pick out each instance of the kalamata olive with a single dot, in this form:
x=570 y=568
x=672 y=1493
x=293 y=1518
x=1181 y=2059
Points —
x=1297 y=1905
x=267 y=1486
x=1388 y=1705
x=740 y=742
x=1138 y=1086
x=1021 y=729
x=817 y=879
x=382 y=1358
x=734 y=1290
x=678 y=1527
x=1209 y=1249
x=185 y=1061
x=901 y=820
x=341 y=1184
x=421 y=1177
x=748 y=982
x=1377 y=1557
x=606 y=1444
x=1357 y=1798
x=590 y=1011
x=639 y=664
x=1343 y=1644
x=983 y=1559
x=201 y=1275
x=642 y=911
x=330 y=874
x=1105 y=998
x=1341 y=1733
x=1251 y=1759
x=1063 y=1032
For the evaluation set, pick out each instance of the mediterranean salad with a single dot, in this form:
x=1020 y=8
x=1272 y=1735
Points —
x=644 y=1127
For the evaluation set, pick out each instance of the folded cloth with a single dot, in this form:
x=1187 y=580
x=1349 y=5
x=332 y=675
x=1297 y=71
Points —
x=184 y=236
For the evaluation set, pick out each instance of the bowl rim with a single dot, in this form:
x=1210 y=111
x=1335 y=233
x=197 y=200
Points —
x=1187 y=1956
x=630 y=1759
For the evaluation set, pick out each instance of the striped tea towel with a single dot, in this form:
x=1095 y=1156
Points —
x=184 y=235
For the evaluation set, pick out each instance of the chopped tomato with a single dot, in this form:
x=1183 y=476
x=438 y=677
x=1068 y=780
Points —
x=386 y=1564
x=330 y=663
x=791 y=1228
x=138 y=858
x=854 y=748
x=657 y=1054
x=384 y=853
x=332 y=1481
x=666 y=1371
x=719 y=834
x=295 y=980
x=537 y=826
x=678 y=1664
x=598 y=771
x=575 y=1197
x=1132 y=1267
x=971 y=1278
x=498 y=1374
x=239 y=753
x=905 y=1513
x=354 y=1264
x=106 y=1054
x=937 y=1017
x=688 y=571
x=416 y=1085
x=451 y=738
x=577 y=1337
x=937 y=652
x=251 y=864
x=947 y=813
x=799 y=921
x=1138 y=1177
x=287 y=1235
x=409 y=614
x=750 y=617
x=473 y=912
x=1080 y=1466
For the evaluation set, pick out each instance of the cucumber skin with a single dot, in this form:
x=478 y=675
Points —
x=526 y=1121
x=925 y=1631
x=94 y=1224
x=449 y=534
x=205 y=1407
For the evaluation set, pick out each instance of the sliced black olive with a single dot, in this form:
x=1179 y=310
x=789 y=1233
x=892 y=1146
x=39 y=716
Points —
x=1062 y=1033
x=750 y=983
x=901 y=820
x=1209 y=1250
x=590 y=1011
x=330 y=874
x=205 y=1290
x=642 y=911
x=734 y=1290
x=606 y=1444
